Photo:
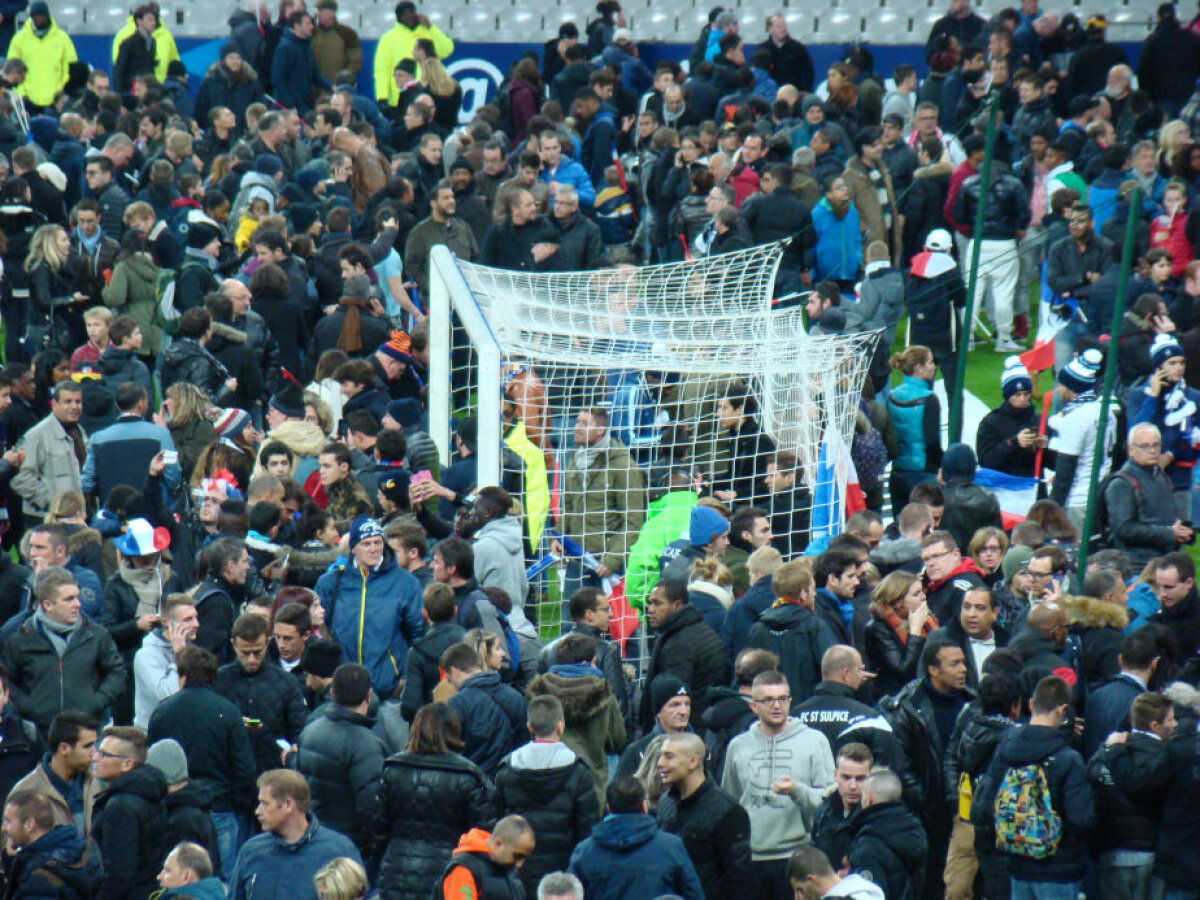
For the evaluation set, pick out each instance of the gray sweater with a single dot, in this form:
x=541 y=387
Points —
x=779 y=823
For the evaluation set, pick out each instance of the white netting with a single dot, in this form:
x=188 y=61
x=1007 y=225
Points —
x=658 y=348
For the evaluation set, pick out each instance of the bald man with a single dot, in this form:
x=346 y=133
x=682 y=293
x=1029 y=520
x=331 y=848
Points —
x=714 y=829
x=1042 y=642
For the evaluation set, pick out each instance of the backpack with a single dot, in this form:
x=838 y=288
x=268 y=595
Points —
x=1101 y=536
x=504 y=104
x=870 y=458
x=1026 y=822
x=166 y=315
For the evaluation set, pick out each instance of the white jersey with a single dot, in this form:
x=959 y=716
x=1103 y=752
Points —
x=1074 y=434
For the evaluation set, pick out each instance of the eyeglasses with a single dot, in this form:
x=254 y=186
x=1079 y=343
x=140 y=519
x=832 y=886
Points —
x=932 y=556
x=104 y=754
x=1155 y=446
x=775 y=701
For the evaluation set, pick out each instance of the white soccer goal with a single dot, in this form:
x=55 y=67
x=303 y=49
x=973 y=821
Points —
x=656 y=347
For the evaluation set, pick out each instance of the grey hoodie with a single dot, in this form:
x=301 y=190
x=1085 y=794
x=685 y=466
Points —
x=500 y=563
x=856 y=887
x=155 y=677
x=542 y=755
x=779 y=823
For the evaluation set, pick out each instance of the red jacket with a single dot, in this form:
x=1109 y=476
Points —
x=1167 y=231
x=961 y=173
x=745 y=183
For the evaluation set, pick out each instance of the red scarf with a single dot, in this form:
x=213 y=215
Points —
x=899 y=626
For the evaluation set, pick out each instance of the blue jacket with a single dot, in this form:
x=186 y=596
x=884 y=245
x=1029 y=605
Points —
x=1107 y=710
x=121 y=454
x=764 y=84
x=1102 y=196
x=746 y=610
x=268 y=868
x=910 y=405
x=596 y=152
x=635 y=75
x=629 y=858
x=375 y=620
x=56 y=853
x=1177 y=438
x=294 y=73
x=572 y=173
x=205 y=889
x=493 y=720
x=839 y=243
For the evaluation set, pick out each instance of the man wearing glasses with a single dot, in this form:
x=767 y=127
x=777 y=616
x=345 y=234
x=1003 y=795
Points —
x=779 y=770
x=947 y=576
x=1141 y=507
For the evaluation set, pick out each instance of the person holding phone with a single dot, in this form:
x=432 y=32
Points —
x=1166 y=401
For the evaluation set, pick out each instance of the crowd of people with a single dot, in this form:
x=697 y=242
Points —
x=258 y=639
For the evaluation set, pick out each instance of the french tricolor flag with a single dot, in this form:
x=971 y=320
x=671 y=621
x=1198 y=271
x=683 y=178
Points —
x=836 y=492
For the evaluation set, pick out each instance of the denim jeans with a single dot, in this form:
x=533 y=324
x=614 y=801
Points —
x=231 y=832
x=1045 y=890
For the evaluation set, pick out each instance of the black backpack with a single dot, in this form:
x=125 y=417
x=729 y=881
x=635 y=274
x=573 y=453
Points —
x=1101 y=536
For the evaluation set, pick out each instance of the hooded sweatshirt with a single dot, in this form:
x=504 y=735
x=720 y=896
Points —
x=855 y=887
x=779 y=823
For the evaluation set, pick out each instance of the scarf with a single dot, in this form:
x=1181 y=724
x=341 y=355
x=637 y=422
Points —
x=58 y=634
x=92 y=244
x=75 y=433
x=147 y=584
x=350 y=337
x=196 y=255
x=1178 y=407
x=585 y=457
x=900 y=626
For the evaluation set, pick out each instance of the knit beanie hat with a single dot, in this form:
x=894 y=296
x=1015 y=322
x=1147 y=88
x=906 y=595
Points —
x=1015 y=377
x=1080 y=374
x=958 y=463
x=1015 y=560
x=1164 y=347
x=307 y=179
x=169 y=758
x=395 y=488
x=405 y=411
x=704 y=525
x=362 y=528
x=303 y=216
x=289 y=400
x=398 y=347
x=663 y=688
x=268 y=164
x=231 y=422
x=201 y=234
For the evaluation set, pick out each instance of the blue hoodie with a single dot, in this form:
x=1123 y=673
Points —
x=1102 y=195
x=629 y=858
x=60 y=849
x=839 y=243
x=375 y=620
x=205 y=889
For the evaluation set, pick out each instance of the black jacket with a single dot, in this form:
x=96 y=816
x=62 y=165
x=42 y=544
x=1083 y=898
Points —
x=969 y=508
x=1183 y=621
x=889 y=848
x=421 y=672
x=1066 y=266
x=972 y=746
x=57 y=866
x=914 y=722
x=1107 y=710
x=780 y=215
x=209 y=728
x=129 y=825
x=1037 y=649
x=831 y=828
x=1130 y=783
x=691 y=651
x=1169 y=63
x=341 y=758
x=552 y=787
x=426 y=803
x=189 y=819
x=800 y=638
x=186 y=360
x=996 y=443
x=1070 y=795
x=715 y=831
x=581 y=245
x=931 y=302
x=88 y=677
x=1140 y=513
x=509 y=246
x=270 y=695
x=894 y=663
x=135 y=57
x=729 y=713
x=493 y=720
x=1007 y=210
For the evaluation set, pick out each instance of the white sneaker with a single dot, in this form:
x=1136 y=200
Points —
x=1009 y=346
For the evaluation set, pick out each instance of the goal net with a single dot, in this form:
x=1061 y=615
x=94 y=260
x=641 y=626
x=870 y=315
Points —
x=655 y=350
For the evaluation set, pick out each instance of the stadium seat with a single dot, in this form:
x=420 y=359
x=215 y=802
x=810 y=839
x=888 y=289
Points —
x=473 y=22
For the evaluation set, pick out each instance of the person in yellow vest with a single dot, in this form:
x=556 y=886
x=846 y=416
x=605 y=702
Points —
x=398 y=43
x=165 y=50
x=47 y=52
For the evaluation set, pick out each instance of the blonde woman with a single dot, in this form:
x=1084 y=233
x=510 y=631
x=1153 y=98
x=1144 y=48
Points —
x=710 y=590
x=489 y=647
x=51 y=289
x=446 y=92
x=895 y=636
x=988 y=546
x=341 y=879
x=185 y=413
x=1172 y=139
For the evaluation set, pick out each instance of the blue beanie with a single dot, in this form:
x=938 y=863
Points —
x=1080 y=374
x=1015 y=378
x=958 y=463
x=307 y=179
x=268 y=164
x=362 y=528
x=705 y=525
x=1163 y=348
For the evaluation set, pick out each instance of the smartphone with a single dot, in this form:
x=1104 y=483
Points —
x=283 y=744
x=423 y=475
x=170 y=457
x=254 y=722
x=283 y=560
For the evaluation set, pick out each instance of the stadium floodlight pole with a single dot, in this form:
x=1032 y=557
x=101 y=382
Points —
x=1110 y=377
x=967 y=332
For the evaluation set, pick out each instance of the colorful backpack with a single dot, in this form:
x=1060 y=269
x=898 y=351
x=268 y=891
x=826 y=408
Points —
x=1025 y=820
